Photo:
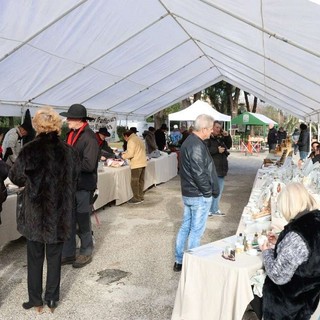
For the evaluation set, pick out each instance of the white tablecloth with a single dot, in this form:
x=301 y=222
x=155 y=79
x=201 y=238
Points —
x=212 y=287
x=114 y=183
x=8 y=228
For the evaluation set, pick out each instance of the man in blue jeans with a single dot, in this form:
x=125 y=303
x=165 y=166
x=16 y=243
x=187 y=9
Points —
x=198 y=185
x=218 y=145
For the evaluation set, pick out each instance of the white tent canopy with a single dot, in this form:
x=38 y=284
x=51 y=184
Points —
x=197 y=108
x=134 y=58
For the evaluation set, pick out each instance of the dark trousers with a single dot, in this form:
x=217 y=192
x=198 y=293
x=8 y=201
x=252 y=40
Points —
x=256 y=305
x=137 y=183
x=36 y=251
x=81 y=219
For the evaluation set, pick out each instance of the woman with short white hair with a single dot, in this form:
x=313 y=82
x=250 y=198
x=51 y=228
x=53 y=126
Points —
x=292 y=286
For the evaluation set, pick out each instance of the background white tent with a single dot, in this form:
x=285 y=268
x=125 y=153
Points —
x=197 y=108
x=134 y=58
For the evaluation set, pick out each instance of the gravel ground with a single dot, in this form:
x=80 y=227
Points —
x=131 y=274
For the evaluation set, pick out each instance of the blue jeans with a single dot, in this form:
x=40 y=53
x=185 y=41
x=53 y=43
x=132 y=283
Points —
x=303 y=154
x=215 y=201
x=193 y=225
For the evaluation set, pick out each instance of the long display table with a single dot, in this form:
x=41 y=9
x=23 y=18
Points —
x=212 y=287
x=8 y=228
x=113 y=184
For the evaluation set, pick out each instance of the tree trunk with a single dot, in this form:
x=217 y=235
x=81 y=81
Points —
x=233 y=100
x=159 y=119
x=185 y=103
x=196 y=96
x=11 y=122
x=246 y=94
x=255 y=103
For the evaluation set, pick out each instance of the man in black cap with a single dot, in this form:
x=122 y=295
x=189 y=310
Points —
x=84 y=141
x=12 y=143
x=106 y=151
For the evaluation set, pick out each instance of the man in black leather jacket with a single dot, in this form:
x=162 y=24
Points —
x=198 y=184
x=218 y=145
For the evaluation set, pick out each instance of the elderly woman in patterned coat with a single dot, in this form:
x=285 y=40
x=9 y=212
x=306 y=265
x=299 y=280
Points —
x=292 y=286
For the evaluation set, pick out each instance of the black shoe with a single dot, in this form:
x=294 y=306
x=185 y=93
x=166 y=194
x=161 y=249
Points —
x=52 y=304
x=68 y=260
x=177 y=267
x=28 y=305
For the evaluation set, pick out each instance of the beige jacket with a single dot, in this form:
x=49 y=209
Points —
x=136 y=152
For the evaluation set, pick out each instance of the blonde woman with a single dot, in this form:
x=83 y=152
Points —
x=47 y=167
x=292 y=286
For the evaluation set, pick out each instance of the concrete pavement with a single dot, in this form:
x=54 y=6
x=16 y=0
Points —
x=131 y=274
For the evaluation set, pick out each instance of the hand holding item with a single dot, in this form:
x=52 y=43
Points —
x=221 y=149
x=103 y=158
x=272 y=237
x=263 y=242
x=224 y=133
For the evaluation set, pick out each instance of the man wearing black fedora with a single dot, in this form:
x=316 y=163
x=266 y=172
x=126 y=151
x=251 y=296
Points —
x=84 y=141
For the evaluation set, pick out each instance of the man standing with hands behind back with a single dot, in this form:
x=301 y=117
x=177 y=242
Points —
x=84 y=141
x=218 y=144
x=198 y=185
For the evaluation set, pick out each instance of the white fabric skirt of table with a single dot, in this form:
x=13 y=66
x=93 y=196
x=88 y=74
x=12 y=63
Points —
x=115 y=183
x=8 y=228
x=212 y=287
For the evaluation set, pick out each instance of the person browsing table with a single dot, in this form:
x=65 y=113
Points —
x=84 y=141
x=218 y=144
x=48 y=170
x=291 y=260
x=198 y=185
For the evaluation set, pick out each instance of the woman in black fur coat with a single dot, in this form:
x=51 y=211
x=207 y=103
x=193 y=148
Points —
x=292 y=287
x=48 y=168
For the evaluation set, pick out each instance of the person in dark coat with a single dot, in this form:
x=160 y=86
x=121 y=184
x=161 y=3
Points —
x=160 y=136
x=218 y=144
x=48 y=169
x=106 y=151
x=316 y=155
x=150 y=141
x=304 y=141
x=272 y=137
x=291 y=260
x=185 y=133
x=198 y=185
x=4 y=170
x=282 y=135
x=84 y=141
x=295 y=138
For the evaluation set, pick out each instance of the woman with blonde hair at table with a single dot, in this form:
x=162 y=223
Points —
x=291 y=260
x=47 y=168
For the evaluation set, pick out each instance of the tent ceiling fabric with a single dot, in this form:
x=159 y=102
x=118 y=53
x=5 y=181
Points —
x=134 y=58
